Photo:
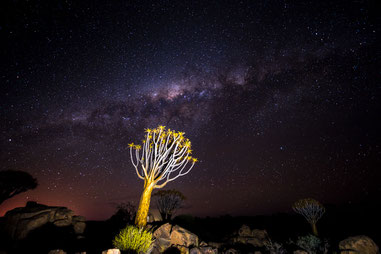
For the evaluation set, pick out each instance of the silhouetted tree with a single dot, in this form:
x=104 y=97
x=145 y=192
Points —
x=311 y=209
x=165 y=155
x=126 y=212
x=13 y=182
x=168 y=201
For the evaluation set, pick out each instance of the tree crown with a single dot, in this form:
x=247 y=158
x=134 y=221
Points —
x=163 y=156
x=13 y=182
x=310 y=208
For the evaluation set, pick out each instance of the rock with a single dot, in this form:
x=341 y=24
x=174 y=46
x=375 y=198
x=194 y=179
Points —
x=231 y=251
x=209 y=250
x=161 y=244
x=22 y=220
x=173 y=236
x=163 y=238
x=61 y=217
x=164 y=231
x=244 y=231
x=195 y=251
x=358 y=244
x=203 y=250
x=300 y=252
x=257 y=242
x=182 y=249
x=79 y=224
x=215 y=244
x=260 y=234
x=155 y=251
x=183 y=237
x=111 y=251
x=56 y=252
x=257 y=238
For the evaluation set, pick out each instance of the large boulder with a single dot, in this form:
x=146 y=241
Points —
x=164 y=231
x=19 y=222
x=173 y=236
x=358 y=244
x=162 y=237
x=160 y=245
x=181 y=236
x=255 y=237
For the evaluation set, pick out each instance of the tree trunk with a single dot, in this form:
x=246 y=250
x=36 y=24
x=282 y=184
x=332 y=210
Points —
x=314 y=229
x=163 y=216
x=142 y=213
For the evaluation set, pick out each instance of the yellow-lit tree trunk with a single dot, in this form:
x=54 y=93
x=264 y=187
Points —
x=314 y=229
x=145 y=199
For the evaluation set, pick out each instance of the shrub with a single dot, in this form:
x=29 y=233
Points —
x=312 y=244
x=274 y=247
x=133 y=240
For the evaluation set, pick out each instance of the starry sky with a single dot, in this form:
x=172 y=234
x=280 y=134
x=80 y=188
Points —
x=281 y=100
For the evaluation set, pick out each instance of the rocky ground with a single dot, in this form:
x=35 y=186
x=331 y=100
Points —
x=38 y=228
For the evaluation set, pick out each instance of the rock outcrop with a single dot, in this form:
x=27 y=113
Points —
x=168 y=236
x=183 y=237
x=255 y=237
x=358 y=244
x=19 y=222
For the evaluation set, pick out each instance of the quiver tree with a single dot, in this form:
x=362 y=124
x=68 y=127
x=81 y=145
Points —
x=168 y=201
x=164 y=156
x=311 y=209
x=125 y=214
x=13 y=182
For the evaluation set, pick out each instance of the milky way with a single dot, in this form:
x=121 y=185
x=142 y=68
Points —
x=280 y=100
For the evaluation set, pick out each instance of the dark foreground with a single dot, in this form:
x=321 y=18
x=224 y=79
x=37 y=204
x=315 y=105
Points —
x=337 y=224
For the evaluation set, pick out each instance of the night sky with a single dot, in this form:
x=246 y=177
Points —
x=280 y=99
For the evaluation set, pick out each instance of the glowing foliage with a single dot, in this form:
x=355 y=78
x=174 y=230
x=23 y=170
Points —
x=311 y=209
x=133 y=239
x=164 y=156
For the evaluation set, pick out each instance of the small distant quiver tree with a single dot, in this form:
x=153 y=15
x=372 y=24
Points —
x=311 y=209
x=168 y=201
x=164 y=156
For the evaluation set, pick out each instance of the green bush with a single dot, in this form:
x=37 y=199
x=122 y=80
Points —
x=312 y=244
x=133 y=240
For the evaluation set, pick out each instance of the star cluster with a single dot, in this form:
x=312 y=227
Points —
x=279 y=98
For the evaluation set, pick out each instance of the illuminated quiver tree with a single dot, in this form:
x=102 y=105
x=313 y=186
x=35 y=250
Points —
x=311 y=209
x=164 y=156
